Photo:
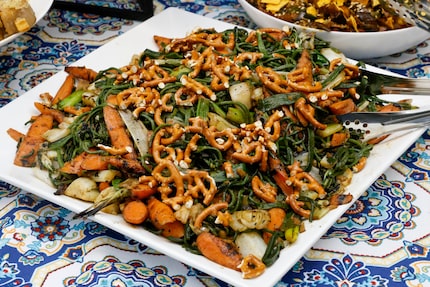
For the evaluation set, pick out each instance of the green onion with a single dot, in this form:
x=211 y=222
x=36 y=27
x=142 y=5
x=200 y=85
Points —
x=329 y=130
x=72 y=100
x=202 y=109
x=278 y=100
x=235 y=115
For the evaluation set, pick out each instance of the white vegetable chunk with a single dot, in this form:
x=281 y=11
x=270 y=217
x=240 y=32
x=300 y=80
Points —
x=138 y=131
x=251 y=243
x=43 y=175
x=113 y=208
x=105 y=175
x=331 y=54
x=56 y=134
x=242 y=93
x=249 y=219
x=83 y=188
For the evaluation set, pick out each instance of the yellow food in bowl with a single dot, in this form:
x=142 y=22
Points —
x=15 y=16
x=335 y=15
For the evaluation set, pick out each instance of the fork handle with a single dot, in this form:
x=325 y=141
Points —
x=386 y=118
x=413 y=87
x=415 y=118
x=397 y=85
x=386 y=130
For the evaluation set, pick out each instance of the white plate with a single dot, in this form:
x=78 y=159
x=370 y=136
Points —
x=40 y=8
x=363 y=45
x=171 y=23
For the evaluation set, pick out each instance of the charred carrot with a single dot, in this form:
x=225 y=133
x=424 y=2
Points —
x=85 y=161
x=30 y=145
x=65 y=90
x=174 y=229
x=338 y=139
x=15 y=135
x=128 y=165
x=389 y=108
x=277 y=216
x=219 y=250
x=342 y=107
x=43 y=109
x=83 y=73
x=103 y=185
x=281 y=178
x=135 y=212
x=74 y=166
x=76 y=111
x=163 y=218
x=142 y=191
x=118 y=132
x=159 y=212
x=91 y=161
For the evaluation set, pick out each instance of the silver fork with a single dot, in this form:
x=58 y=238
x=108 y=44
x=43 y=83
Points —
x=388 y=118
x=387 y=84
x=376 y=124
x=376 y=130
x=416 y=11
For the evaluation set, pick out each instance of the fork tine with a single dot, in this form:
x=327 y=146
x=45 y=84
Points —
x=387 y=84
x=371 y=131
x=388 y=117
x=394 y=128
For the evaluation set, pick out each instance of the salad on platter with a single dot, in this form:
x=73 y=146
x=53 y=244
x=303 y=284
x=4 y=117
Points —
x=223 y=142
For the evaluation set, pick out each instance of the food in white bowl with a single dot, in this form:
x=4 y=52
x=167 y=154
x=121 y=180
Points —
x=357 y=45
x=15 y=16
x=339 y=15
x=23 y=11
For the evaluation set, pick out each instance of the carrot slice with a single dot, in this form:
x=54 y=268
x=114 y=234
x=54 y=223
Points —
x=15 y=135
x=142 y=191
x=277 y=216
x=342 y=107
x=85 y=161
x=103 y=185
x=117 y=131
x=389 y=108
x=57 y=114
x=65 y=90
x=338 y=139
x=174 y=229
x=30 y=145
x=163 y=218
x=159 y=212
x=219 y=250
x=83 y=73
x=135 y=212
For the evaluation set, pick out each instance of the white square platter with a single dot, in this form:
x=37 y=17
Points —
x=173 y=22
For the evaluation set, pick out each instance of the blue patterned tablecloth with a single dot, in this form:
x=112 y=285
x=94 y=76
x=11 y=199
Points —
x=382 y=240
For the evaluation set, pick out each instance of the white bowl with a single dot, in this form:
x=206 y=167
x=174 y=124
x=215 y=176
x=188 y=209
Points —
x=40 y=8
x=355 y=45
